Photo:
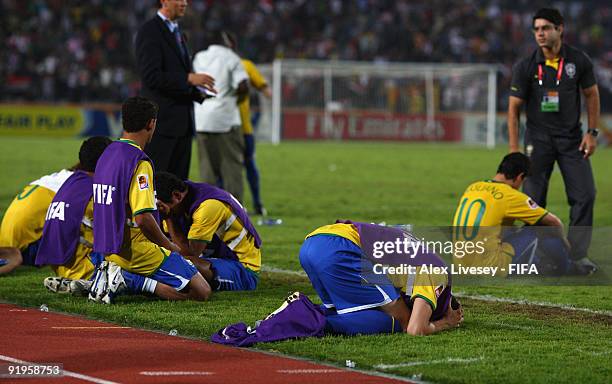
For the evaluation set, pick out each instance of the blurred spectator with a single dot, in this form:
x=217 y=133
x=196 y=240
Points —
x=69 y=50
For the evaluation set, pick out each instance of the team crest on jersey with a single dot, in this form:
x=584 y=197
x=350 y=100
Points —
x=143 y=182
x=570 y=70
x=532 y=204
x=439 y=290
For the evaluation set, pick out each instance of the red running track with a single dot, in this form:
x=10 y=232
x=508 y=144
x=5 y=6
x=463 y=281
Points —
x=98 y=352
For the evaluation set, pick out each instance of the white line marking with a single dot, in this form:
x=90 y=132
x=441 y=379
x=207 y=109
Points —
x=66 y=373
x=593 y=353
x=100 y=327
x=18 y=310
x=516 y=326
x=266 y=268
x=488 y=298
x=450 y=360
x=176 y=373
x=536 y=303
x=301 y=371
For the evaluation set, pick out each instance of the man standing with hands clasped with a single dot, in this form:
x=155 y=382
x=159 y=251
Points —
x=549 y=83
x=168 y=79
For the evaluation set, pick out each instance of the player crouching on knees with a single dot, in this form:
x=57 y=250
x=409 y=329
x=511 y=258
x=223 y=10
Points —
x=358 y=299
x=212 y=230
x=67 y=237
x=139 y=257
x=487 y=211
x=23 y=220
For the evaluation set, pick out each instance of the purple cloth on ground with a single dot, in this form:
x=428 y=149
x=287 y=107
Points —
x=62 y=228
x=301 y=318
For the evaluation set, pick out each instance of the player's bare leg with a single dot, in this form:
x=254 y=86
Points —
x=11 y=259
x=198 y=289
x=398 y=310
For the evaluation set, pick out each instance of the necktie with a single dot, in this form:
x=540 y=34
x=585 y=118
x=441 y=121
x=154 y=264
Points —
x=179 y=41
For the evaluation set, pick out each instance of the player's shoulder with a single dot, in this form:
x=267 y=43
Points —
x=213 y=205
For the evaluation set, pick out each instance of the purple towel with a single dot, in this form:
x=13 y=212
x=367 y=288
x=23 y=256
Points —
x=299 y=318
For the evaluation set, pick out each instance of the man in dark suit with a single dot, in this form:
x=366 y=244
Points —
x=168 y=79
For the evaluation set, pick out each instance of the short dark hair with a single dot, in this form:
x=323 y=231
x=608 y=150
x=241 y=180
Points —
x=551 y=14
x=165 y=184
x=513 y=164
x=220 y=37
x=90 y=152
x=136 y=112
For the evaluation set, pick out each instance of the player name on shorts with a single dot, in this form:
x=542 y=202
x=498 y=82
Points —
x=454 y=269
x=103 y=194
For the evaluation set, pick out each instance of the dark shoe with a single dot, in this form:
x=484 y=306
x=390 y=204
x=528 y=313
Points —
x=261 y=211
x=583 y=266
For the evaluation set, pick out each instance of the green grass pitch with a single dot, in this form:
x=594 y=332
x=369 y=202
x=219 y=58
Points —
x=312 y=184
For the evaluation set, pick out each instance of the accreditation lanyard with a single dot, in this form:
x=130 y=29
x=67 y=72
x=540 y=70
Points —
x=559 y=72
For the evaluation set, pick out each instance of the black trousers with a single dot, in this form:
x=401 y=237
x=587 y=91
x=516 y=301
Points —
x=544 y=150
x=171 y=154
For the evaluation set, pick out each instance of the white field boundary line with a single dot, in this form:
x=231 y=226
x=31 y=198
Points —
x=75 y=375
x=176 y=373
x=281 y=271
x=93 y=327
x=311 y=371
x=450 y=360
x=566 y=307
x=487 y=298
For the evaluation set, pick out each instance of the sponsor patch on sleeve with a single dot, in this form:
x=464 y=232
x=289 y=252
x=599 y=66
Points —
x=143 y=181
x=532 y=204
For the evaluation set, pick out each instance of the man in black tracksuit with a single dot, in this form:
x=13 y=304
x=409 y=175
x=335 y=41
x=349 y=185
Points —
x=549 y=83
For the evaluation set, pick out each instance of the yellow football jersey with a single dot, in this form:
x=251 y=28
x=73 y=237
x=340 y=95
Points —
x=24 y=218
x=215 y=217
x=80 y=266
x=348 y=231
x=259 y=82
x=483 y=209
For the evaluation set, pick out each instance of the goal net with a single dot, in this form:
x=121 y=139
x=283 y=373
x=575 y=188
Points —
x=369 y=101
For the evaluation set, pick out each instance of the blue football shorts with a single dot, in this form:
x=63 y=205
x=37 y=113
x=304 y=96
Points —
x=175 y=271
x=338 y=273
x=231 y=275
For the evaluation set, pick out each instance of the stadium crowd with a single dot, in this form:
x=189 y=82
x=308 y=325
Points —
x=71 y=50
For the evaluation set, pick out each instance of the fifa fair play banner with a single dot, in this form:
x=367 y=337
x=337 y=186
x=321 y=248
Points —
x=40 y=120
x=60 y=121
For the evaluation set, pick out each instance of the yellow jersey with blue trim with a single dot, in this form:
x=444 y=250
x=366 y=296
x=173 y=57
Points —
x=24 y=218
x=484 y=208
x=216 y=217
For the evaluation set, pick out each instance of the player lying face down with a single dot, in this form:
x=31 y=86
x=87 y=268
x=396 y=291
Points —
x=359 y=300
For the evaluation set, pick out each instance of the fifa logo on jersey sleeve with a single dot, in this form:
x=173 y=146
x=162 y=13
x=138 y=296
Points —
x=56 y=211
x=103 y=194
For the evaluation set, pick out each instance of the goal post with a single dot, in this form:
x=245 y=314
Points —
x=348 y=100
